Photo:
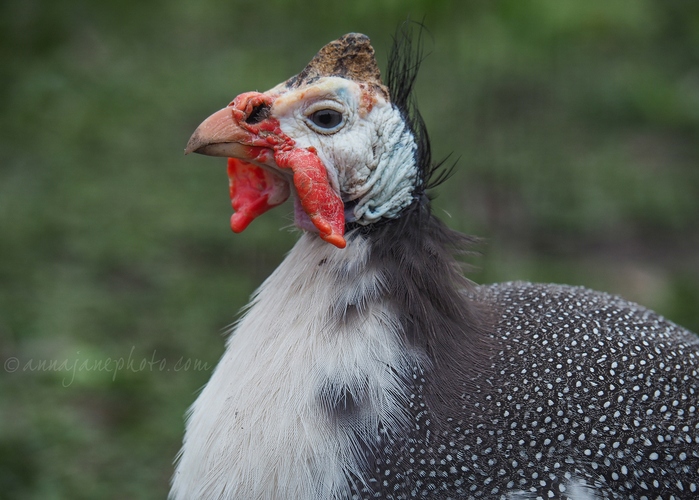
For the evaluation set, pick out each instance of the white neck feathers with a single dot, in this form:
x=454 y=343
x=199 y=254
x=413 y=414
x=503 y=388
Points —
x=317 y=331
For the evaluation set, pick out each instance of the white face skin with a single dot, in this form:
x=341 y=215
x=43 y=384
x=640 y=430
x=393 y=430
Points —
x=369 y=154
x=345 y=148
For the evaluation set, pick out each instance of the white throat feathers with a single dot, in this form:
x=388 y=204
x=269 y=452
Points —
x=301 y=392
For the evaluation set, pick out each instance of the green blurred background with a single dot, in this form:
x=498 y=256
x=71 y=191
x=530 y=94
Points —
x=576 y=124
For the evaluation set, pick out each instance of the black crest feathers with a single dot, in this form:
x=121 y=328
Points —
x=404 y=63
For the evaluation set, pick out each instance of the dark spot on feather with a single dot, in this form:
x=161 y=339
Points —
x=346 y=411
x=340 y=404
x=350 y=314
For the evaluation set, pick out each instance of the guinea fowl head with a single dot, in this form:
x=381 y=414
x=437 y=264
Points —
x=350 y=150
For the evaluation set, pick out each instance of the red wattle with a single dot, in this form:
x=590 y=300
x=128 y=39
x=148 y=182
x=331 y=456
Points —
x=323 y=206
x=253 y=191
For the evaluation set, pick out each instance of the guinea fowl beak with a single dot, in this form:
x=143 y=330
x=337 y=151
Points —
x=220 y=135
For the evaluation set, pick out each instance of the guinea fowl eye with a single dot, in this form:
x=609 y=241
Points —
x=327 y=118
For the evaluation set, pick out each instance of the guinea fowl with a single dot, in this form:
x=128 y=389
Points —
x=367 y=366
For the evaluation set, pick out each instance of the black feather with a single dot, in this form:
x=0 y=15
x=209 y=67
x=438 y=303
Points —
x=404 y=62
x=440 y=315
x=439 y=311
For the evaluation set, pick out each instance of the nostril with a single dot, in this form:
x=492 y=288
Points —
x=258 y=114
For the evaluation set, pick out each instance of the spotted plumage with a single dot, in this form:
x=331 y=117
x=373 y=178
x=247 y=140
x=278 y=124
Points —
x=588 y=396
x=367 y=366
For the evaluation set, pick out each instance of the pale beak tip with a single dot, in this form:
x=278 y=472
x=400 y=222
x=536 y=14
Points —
x=193 y=144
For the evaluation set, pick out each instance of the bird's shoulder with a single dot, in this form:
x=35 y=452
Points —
x=570 y=312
